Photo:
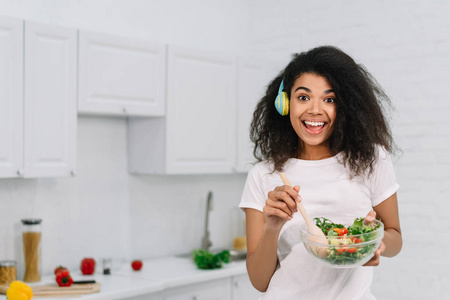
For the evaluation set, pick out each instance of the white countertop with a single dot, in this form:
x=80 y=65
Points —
x=156 y=275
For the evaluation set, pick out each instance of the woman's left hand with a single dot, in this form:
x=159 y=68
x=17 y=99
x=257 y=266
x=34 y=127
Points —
x=375 y=260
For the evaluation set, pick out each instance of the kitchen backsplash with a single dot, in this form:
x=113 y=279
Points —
x=105 y=212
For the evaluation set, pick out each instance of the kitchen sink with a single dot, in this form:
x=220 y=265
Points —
x=235 y=255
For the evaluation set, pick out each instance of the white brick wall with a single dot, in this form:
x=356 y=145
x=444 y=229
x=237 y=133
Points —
x=406 y=46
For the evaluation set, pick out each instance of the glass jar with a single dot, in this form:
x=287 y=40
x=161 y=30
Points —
x=239 y=241
x=8 y=272
x=106 y=266
x=31 y=236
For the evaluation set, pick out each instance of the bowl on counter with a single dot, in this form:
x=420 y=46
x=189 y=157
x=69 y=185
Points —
x=236 y=255
x=345 y=251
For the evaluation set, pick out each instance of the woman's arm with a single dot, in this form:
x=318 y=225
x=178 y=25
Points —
x=387 y=211
x=391 y=244
x=263 y=229
x=262 y=243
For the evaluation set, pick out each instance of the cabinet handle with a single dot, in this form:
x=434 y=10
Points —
x=20 y=172
x=124 y=110
x=236 y=284
x=194 y=298
x=73 y=172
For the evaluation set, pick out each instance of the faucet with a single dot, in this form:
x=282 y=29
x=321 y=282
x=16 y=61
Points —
x=206 y=242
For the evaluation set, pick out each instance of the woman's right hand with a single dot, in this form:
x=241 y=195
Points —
x=280 y=206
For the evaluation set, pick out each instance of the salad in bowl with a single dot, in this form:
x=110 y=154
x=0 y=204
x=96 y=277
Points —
x=348 y=246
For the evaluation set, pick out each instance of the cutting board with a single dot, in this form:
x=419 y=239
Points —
x=55 y=290
x=74 y=289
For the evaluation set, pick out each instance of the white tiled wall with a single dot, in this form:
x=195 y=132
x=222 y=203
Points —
x=406 y=46
x=103 y=211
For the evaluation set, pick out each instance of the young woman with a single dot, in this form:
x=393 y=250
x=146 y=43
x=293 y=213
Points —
x=334 y=145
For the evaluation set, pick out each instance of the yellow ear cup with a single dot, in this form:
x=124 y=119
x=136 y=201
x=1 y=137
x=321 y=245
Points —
x=282 y=101
x=285 y=104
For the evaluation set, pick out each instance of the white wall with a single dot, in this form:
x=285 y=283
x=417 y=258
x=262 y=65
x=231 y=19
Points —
x=103 y=211
x=205 y=24
x=406 y=46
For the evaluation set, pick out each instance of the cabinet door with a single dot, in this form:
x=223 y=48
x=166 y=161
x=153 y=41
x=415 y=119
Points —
x=243 y=289
x=209 y=290
x=121 y=76
x=154 y=296
x=200 y=112
x=50 y=100
x=253 y=78
x=11 y=97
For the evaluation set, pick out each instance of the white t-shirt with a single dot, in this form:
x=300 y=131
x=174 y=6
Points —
x=327 y=191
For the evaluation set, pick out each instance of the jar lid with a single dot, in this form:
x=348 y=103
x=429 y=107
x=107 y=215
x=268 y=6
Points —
x=31 y=221
x=7 y=263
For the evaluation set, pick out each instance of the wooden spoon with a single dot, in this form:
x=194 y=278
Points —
x=316 y=234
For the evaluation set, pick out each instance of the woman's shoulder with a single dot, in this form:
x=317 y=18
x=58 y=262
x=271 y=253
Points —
x=261 y=168
x=381 y=153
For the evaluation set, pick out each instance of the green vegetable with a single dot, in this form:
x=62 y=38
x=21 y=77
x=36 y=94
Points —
x=326 y=225
x=207 y=260
x=347 y=249
x=332 y=233
x=356 y=228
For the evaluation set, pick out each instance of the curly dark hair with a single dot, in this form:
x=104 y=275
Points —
x=360 y=123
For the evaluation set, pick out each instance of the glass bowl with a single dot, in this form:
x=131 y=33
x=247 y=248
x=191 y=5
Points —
x=346 y=251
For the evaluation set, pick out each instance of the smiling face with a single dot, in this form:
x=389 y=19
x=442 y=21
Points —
x=312 y=111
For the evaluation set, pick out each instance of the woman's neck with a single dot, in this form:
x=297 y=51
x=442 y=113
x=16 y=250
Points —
x=316 y=152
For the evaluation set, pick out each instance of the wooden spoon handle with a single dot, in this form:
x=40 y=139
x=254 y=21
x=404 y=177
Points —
x=300 y=207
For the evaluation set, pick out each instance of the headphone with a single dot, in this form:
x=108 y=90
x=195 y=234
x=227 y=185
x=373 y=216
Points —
x=282 y=100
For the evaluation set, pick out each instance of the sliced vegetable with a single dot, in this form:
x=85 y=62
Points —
x=340 y=231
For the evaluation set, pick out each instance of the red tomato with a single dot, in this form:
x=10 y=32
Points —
x=356 y=240
x=136 y=265
x=341 y=231
x=345 y=249
x=87 y=266
x=59 y=269
x=341 y=249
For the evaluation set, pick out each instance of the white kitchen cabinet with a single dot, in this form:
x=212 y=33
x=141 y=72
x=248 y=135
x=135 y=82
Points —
x=121 y=76
x=198 y=134
x=37 y=99
x=11 y=97
x=50 y=114
x=153 y=296
x=208 y=290
x=254 y=75
x=242 y=289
